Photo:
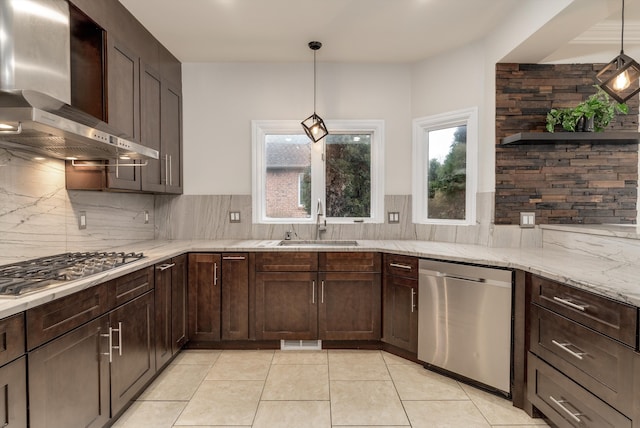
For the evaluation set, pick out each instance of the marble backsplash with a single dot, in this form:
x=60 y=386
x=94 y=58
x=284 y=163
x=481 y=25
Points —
x=39 y=217
x=207 y=217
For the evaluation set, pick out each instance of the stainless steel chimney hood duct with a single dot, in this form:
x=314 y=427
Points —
x=35 y=89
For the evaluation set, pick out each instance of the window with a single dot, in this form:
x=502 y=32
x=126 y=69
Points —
x=444 y=168
x=344 y=172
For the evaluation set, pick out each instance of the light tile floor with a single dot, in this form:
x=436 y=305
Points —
x=309 y=389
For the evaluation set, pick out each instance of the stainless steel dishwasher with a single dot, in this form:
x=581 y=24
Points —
x=464 y=327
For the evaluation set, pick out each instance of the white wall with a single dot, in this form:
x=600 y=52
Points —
x=221 y=99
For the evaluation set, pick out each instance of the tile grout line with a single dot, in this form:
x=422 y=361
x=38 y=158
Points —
x=173 y=425
x=264 y=384
x=393 y=382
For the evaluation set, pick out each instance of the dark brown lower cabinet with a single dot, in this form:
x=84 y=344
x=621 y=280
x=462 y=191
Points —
x=170 y=308
x=400 y=296
x=235 y=296
x=13 y=394
x=286 y=305
x=566 y=403
x=69 y=379
x=349 y=306
x=179 y=303
x=204 y=297
x=133 y=352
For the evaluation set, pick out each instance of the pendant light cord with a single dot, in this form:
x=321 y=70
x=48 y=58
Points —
x=621 y=31
x=314 y=80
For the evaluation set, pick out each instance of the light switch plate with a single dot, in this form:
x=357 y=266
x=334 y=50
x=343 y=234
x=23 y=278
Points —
x=234 y=216
x=394 y=217
x=527 y=220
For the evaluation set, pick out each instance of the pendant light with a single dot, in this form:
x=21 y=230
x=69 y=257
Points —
x=314 y=126
x=619 y=78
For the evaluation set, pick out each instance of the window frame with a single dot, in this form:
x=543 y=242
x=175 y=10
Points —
x=261 y=128
x=421 y=128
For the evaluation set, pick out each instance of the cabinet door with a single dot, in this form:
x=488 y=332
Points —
x=153 y=178
x=69 y=379
x=133 y=361
x=163 y=312
x=400 y=312
x=350 y=306
x=171 y=123
x=204 y=297
x=178 y=303
x=235 y=297
x=13 y=394
x=123 y=107
x=286 y=305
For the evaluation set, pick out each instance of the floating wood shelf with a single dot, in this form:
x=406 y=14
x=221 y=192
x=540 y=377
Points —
x=573 y=137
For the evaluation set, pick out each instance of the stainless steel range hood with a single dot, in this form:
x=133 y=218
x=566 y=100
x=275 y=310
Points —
x=35 y=89
x=39 y=123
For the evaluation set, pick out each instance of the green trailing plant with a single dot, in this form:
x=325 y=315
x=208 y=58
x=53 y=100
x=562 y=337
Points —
x=599 y=108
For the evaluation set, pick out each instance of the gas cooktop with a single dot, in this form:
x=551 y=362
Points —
x=21 y=278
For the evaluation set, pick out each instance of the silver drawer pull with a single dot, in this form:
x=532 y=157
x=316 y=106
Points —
x=233 y=258
x=565 y=347
x=569 y=303
x=560 y=404
x=165 y=266
x=400 y=266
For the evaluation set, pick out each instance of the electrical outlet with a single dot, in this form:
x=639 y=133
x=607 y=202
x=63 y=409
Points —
x=394 y=217
x=234 y=216
x=527 y=220
x=82 y=220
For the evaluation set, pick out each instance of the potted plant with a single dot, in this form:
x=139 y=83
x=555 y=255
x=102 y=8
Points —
x=593 y=114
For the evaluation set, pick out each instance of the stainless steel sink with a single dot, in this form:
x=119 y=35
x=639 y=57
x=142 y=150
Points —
x=317 y=243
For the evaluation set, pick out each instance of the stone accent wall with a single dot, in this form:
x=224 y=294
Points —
x=577 y=183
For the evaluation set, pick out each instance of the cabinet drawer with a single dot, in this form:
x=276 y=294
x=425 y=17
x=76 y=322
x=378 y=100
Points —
x=596 y=362
x=62 y=315
x=349 y=262
x=406 y=266
x=12 y=343
x=132 y=285
x=286 y=262
x=615 y=319
x=565 y=402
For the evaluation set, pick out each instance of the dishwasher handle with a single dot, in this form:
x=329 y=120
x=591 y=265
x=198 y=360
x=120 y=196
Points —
x=460 y=277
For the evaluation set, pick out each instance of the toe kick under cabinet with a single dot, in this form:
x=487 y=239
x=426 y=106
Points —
x=581 y=359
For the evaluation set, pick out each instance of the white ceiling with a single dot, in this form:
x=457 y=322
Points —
x=392 y=31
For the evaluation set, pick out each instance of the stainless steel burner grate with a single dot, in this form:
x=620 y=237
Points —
x=20 y=278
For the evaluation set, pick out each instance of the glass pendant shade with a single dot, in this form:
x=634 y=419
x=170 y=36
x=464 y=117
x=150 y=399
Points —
x=620 y=77
x=315 y=128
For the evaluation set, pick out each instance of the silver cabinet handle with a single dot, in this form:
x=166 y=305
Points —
x=569 y=303
x=170 y=172
x=215 y=274
x=400 y=266
x=560 y=404
x=166 y=170
x=313 y=292
x=565 y=347
x=233 y=258
x=165 y=266
x=119 y=330
x=413 y=304
x=110 y=337
x=322 y=292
